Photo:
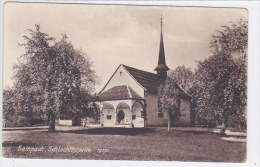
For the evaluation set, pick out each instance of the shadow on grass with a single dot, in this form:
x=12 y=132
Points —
x=111 y=131
x=16 y=144
x=195 y=132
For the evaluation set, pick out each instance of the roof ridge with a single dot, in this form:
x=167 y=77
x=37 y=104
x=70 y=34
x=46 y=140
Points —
x=130 y=95
x=183 y=89
x=149 y=81
x=140 y=70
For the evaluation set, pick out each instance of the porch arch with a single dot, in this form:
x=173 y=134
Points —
x=108 y=106
x=107 y=115
x=123 y=115
x=137 y=119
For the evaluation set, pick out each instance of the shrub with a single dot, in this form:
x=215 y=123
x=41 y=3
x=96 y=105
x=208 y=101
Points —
x=37 y=121
x=17 y=121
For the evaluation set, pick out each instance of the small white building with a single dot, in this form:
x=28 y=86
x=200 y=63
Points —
x=130 y=98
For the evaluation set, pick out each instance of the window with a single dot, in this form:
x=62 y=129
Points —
x=179 y=108
x=109 y=117
x=133 y=117
x=159 y=111
x=160 y=114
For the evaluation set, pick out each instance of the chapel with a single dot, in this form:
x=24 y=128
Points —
x=130 y=97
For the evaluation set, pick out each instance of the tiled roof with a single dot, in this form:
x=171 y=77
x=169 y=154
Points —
x=183 y=93
x=151 y=81
x=118 y=93
x=134 y=94
x=148 y=80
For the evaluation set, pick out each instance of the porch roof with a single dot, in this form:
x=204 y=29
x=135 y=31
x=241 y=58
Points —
x=119 y=93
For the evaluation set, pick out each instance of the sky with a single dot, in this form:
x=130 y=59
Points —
x=111 y=35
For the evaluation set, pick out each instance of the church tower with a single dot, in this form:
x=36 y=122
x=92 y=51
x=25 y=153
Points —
x=161 y=67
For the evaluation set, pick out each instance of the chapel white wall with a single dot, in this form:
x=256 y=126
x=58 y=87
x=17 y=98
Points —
x=124 y=79
x=152 y=112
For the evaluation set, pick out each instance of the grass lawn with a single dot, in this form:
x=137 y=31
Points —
x=117 y=144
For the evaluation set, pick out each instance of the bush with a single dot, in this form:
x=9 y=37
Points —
x=237 y=122
x=37 y=121
x=17 y=121
x=23 y=121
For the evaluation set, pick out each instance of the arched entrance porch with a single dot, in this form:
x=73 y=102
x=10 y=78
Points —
x=123 y=114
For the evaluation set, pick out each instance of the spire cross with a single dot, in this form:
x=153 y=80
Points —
x=161 y=21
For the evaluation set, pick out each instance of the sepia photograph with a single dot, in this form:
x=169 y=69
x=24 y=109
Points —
x=125 y=82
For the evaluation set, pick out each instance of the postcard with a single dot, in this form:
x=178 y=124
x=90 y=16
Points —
x=125 y=82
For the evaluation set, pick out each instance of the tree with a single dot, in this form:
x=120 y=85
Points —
x=211 y=79
x=9 y=104
x=232 y=39
x=221 y=80
x=94 y=111
x=50 y=77
x=169 y=101
x=184 y=77
x=236 y=93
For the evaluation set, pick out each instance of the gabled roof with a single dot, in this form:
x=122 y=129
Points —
x=151 y=81
x=119 y=93
x=183 y=93
x=148 y=80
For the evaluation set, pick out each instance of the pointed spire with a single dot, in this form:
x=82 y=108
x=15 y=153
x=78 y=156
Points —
x=161 y=67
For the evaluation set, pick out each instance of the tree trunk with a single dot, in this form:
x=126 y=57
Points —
x=169 y=122
x=223 y=128
x=48 y=120
x=52 y=123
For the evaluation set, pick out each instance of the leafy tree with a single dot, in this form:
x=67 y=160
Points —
x=9 y=104
x=221 y=80
x=184 y=77
x=232 y=39
x=211 y=80
x=50 y=77
x=169 y=101
x=236 y=93
x=94 y=111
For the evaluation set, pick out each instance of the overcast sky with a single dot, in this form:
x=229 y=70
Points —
x=114 y=35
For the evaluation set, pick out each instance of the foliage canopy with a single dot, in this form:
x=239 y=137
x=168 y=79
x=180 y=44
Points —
x=52 y=78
